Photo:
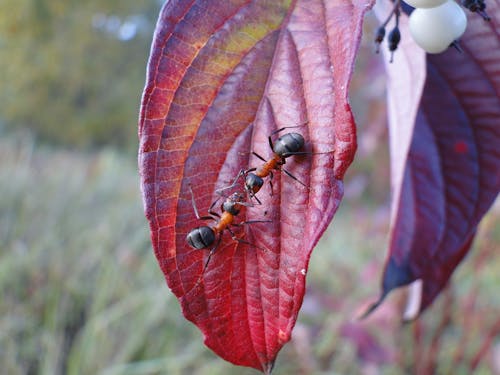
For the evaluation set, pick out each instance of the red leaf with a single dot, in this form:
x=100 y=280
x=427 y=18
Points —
x=221 y=77
x=451 y=173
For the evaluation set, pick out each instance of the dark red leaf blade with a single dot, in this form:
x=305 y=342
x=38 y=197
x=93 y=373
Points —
x=216 y=87
x=451 y=176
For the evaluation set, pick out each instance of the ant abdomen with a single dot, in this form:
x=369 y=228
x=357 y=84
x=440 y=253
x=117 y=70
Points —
x=201 y=237
x=288 y=144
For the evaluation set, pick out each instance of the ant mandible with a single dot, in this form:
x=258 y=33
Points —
x=204 y=237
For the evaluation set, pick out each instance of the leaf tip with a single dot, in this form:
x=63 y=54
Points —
x=372 y=307
x=268 y=368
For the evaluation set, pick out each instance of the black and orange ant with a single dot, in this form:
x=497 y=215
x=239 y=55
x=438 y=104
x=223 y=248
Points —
x=285 y=146
x=204 y=237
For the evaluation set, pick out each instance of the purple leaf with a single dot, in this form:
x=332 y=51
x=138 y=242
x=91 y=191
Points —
x=451 y=172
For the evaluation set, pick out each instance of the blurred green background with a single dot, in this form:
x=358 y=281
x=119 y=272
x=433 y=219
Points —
x=81 y=290
x=73 y=71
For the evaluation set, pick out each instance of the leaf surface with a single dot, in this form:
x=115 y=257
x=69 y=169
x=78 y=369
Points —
x=221 y=78
x=450 y=175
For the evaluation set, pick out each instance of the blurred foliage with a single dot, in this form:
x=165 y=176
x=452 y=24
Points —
x=73 y=71
x=82 y=292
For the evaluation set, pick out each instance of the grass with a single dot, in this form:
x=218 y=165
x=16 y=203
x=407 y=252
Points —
x=82 y=293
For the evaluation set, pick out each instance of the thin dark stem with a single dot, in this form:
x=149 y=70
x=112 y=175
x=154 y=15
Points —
x=395 y=9
x=417 y=346
x=485 y=347
x=432 y=357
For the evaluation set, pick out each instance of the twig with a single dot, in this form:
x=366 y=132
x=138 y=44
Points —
x=432 y=356
x=493 y=332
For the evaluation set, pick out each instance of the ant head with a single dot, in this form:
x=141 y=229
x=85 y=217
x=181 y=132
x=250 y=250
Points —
x=231 y=206
x=288 y=144
x=201 y=237
x=253 y=183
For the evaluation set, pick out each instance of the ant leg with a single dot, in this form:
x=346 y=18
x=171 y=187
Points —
x=193 y=203
x=254 y=153
x=260 y=157
x=249 y=203
x=213 y=213
x=292 y=176
x=269 y=139
x=211 y=208
x=288 y=127
x=212 y=251
x=251 y=222
x=241 y=240
x=251 y=195
x=219 y=191
x=287 y=154
x=271 y=176
x=207 y=217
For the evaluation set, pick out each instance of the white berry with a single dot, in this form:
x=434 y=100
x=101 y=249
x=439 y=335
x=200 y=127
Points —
x=434 y=29
x=424 y=3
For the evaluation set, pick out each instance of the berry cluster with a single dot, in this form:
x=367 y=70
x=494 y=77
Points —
x=394 y=36
x=434 y=25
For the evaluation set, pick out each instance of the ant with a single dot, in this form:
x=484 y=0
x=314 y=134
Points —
x=285 y=146
x=205 y=236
